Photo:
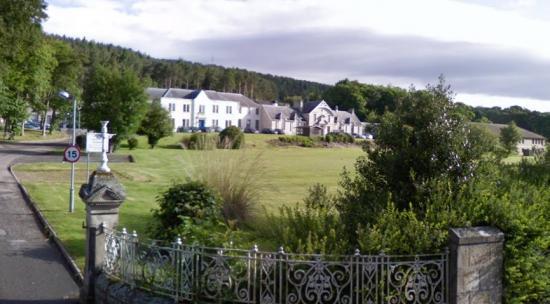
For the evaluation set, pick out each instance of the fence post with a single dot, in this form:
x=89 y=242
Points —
x=476 y=265
x=102 y=195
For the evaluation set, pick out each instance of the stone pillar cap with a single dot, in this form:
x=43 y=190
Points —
x=475 y=235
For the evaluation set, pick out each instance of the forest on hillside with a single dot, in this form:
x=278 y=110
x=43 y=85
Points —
x=179 y=73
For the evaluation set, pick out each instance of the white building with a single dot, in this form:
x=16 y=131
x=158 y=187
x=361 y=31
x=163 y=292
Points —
x=314 y=118
x=205 y=109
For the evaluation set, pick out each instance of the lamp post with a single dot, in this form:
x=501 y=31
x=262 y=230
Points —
x=65 y=95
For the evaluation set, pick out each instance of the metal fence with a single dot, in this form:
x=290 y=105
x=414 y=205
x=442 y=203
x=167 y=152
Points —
x=192 y=273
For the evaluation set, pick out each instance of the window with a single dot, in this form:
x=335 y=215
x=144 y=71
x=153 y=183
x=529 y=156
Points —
x=335 y=119
x=173 y=122
x=214 y=122
x=185 y=123
x=239 y=123
x=228 y=123
x=257 y=111
x=215 y=108
x=201 y=109
x=240 y=109
x=186 y=108
x=257 y=124
x=228 y=109
x=171 y=107
x=248 y=123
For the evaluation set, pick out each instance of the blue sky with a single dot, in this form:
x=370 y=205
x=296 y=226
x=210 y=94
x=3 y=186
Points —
x=493 y=52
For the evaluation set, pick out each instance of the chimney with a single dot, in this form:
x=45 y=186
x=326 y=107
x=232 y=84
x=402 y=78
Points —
x=336 y=107
x=274 y=103
x=352 y=110
x=301 y=105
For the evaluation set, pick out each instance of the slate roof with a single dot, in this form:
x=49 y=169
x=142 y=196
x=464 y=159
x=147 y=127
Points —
x=275 y=112
x=347 y=117
x=155 y=93
x=181 y=93
x=310 y=105
x=243 y=100
x=495 y=129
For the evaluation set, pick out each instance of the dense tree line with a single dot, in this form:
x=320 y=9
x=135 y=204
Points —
x=189 y=75
x=372 y=101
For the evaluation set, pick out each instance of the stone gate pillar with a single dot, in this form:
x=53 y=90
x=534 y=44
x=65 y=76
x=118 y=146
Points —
x=103 y=195
x=476 y=265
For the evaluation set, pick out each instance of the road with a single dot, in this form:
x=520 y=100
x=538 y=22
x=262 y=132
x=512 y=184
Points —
x=31 y=268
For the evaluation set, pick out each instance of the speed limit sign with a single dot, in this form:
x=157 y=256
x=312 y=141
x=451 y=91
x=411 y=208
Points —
x=71 y=154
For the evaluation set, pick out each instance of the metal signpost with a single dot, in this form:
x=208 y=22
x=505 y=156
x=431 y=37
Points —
x=99 y=143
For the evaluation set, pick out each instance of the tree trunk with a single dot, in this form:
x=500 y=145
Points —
x=52 y=122
x=45 y=119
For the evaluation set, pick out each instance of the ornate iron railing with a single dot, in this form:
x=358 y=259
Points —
x=192 y=273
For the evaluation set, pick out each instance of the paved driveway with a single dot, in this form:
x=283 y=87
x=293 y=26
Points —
x=31 y=268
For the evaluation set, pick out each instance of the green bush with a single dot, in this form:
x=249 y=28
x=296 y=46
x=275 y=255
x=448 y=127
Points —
x=132 y=143
x=339 y=137
x=231 y=138
x=192 y=211
x=199 y=141
x=298 y=140
x=312 y=228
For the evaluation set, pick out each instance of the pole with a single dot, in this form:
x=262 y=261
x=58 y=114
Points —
x=71 y=193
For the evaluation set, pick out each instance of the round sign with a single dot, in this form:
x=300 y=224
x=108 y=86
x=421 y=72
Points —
x=71 y=154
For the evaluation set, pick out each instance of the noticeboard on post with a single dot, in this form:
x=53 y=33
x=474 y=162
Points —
x=94 y=142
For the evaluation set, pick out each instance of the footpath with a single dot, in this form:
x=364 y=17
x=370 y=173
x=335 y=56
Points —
x=32 y=269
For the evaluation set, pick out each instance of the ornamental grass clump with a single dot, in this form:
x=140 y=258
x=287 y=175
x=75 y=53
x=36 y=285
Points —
x=238 y=177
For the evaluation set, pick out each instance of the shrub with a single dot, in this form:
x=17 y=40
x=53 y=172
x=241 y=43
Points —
x=298 y=140
x=339 y=137
x=239 y=179
x=132 y=143
x=199 y=141
x=231 y=138
x=190 y=210
x=313 y=227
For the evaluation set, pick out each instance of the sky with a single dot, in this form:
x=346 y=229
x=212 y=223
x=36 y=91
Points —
x=492 y=52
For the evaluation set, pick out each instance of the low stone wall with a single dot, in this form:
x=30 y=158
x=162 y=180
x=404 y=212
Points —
x=109 y=292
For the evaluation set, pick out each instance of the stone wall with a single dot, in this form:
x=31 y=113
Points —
x=476 y=265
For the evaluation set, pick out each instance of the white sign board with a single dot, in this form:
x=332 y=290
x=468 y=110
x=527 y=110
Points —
x=94 y=142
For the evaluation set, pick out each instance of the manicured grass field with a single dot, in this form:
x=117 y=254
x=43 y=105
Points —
x=34 y=135
x=288 y=172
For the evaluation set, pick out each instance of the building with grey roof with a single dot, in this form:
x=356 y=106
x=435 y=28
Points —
x=313 y=118
x=207 y=109
x=530 y=141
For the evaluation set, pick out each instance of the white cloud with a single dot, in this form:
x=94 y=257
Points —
x=172 y=28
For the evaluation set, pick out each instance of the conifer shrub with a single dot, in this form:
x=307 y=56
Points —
x=190 y=210
x=231 y=138
x=132 y=143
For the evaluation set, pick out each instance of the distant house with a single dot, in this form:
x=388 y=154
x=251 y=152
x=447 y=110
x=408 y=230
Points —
x=206 y=109
x=529 y=142
x=280 y=118
x=313 y=118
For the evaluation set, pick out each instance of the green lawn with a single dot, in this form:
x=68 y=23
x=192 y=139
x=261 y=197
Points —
x=288 y=172
x=36 y=135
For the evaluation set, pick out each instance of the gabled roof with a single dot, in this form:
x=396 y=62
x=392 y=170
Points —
x=278 y=112
x=347 y=117
x=310 y=106
x=155 y=93
x=181 y=93
x=495 y=129
x=243 y=100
